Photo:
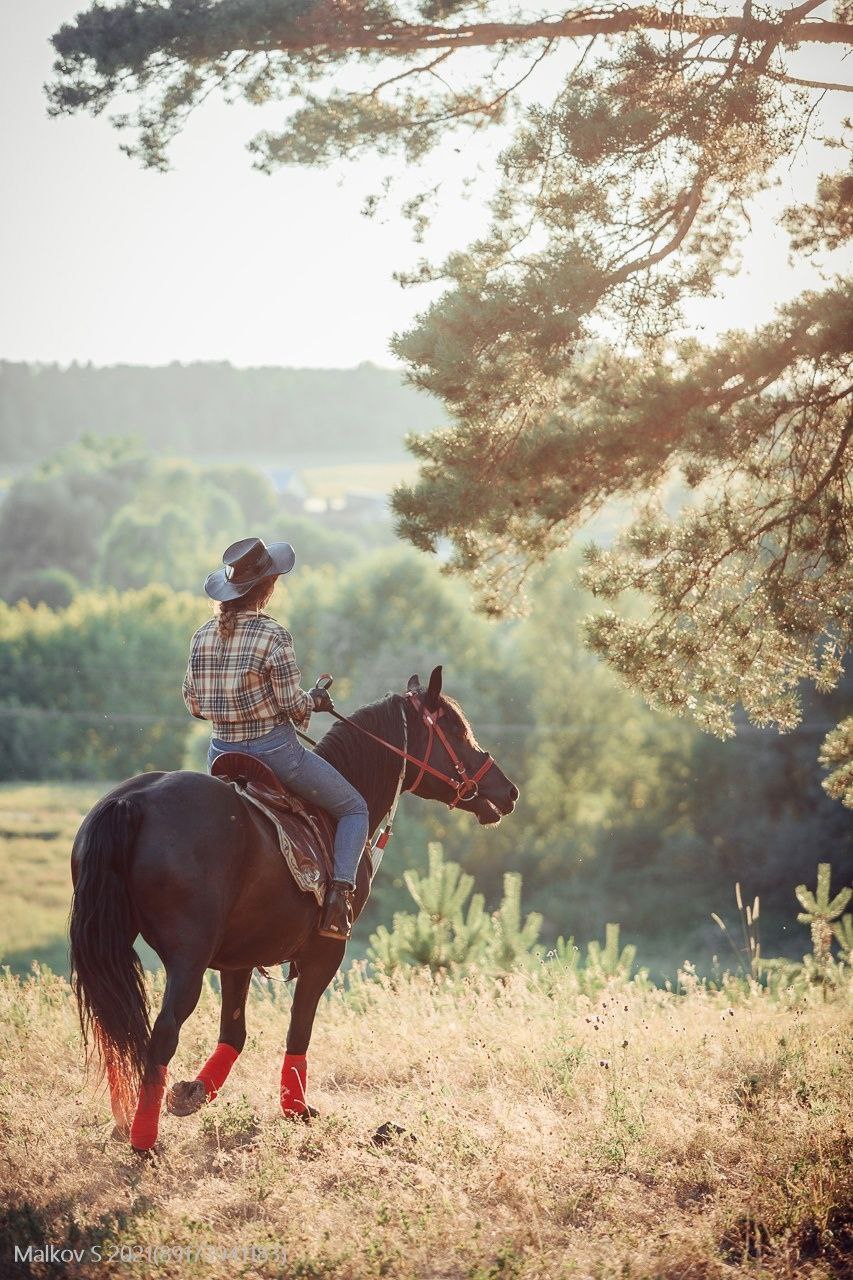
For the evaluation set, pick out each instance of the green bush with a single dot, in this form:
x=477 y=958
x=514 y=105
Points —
x=449 y=938
x=446 y=936
x=93 y=691
x=54 y=518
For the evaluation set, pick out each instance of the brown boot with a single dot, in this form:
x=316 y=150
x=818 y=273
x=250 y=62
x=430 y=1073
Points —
x=336 y=920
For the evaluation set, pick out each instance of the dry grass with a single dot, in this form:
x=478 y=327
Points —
x=712 y=1144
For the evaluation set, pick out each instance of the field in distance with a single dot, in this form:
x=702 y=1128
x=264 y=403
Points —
x=357 y=477
x=38 y=822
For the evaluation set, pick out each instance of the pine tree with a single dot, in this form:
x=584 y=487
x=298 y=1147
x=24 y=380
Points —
x=623 y=195
x=445 y=888
x=442 y=935
x=513 y=941
x=836 y=754
x=819 y=911
x=843 y=931
x=608 y=962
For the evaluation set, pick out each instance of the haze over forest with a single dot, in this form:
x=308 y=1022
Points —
x=211 y=409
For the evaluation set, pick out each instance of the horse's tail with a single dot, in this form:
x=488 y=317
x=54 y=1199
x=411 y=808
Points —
x=106 y=973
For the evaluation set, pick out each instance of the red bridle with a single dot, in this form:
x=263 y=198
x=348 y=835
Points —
x=465 y=787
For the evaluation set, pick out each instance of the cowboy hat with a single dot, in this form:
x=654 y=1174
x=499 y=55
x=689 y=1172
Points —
x=246 y=563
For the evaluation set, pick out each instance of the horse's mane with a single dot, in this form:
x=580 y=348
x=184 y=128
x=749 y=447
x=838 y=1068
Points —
x=341 y=747
x=347 y=750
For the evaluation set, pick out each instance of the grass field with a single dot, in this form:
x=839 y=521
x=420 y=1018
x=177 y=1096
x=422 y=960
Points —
x=547 y=1133
x=639 y=1135
x=37 y=827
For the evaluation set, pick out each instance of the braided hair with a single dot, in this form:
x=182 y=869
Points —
x=226 y=610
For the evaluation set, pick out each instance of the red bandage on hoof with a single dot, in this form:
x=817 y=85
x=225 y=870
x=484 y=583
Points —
x=215 y=1071
x=143 y=1131
x=294 y=1073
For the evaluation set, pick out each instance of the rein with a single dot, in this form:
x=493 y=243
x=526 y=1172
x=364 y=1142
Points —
x=465 y=787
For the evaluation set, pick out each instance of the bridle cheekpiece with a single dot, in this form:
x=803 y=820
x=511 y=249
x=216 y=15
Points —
x=465 y=787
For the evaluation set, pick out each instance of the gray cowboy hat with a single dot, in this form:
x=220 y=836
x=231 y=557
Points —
x=247 y=562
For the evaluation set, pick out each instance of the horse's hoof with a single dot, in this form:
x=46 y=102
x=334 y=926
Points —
x=146 y=1153
x=185 y=1097
x=305 y=1116
x=120 y=1133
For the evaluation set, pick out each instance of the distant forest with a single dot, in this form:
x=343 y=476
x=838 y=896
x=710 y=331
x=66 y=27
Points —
x=211 y=408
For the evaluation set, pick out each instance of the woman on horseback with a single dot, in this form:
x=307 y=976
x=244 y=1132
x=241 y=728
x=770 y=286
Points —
x=242 y=677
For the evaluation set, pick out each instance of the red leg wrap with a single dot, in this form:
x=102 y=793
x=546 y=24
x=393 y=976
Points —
x=294 y=1073
x=215 y=1071
x=143 y=1131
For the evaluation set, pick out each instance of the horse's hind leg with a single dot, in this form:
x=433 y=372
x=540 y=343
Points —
x=183 y=987
x=186 y=1096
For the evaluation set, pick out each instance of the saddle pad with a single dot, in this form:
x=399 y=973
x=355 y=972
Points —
x=305 y=834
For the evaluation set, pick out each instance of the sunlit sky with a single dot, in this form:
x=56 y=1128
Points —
x=103 y=261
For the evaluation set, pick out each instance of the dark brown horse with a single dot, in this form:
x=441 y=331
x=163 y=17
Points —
x=182 y=860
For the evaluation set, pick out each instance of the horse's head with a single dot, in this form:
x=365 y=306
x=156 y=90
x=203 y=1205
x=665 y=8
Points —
x=469 y=777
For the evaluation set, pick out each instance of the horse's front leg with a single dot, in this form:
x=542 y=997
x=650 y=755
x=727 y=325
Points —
x=186 y=1096
x=317 y=967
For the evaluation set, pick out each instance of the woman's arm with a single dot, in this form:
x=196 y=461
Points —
x=189 y=695
x=286 y=681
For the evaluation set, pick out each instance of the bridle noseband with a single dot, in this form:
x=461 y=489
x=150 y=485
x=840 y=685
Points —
x=465 y=787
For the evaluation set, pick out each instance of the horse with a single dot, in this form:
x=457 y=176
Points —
x=181 y=859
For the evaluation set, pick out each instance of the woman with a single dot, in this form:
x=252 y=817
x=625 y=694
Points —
x=242 y=676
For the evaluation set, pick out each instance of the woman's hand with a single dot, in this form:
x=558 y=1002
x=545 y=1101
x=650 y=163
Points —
x=320 y=696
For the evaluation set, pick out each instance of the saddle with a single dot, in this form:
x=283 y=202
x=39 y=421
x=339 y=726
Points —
x=305 y=833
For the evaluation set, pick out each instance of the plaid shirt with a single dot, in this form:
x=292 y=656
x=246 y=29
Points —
x=248 y=685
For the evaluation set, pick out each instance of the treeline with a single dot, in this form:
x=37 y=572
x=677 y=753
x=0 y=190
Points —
x=210 y=409
x=625 y=814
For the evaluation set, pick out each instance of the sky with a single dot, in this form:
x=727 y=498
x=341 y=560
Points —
x=103 y=261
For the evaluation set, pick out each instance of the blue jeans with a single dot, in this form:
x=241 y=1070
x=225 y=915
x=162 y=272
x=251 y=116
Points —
x=312 y=779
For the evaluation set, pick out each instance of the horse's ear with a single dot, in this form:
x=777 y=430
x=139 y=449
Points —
x=434 y=690
x=414 y=683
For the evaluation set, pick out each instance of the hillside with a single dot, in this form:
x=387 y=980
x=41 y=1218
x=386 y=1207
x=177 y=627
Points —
x=634 y=1134
x=211 y=410
x=551 y=1119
